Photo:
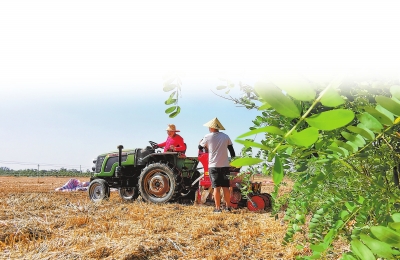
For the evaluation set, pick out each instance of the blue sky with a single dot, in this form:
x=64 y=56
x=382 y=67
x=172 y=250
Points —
x=77 y=78
x=55 y=129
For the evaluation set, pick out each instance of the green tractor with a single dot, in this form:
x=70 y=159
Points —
x=158 y=177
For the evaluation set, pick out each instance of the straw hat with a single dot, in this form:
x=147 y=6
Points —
x=214 y=123
x=172 y=127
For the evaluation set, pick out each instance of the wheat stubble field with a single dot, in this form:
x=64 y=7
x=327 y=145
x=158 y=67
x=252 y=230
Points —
x=38 y=223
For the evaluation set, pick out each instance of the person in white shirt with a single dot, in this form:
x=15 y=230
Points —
x=218 y=145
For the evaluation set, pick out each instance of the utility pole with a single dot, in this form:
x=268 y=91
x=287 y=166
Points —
x=38 y=173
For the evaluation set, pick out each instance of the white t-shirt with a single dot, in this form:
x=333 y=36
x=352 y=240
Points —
x=217 y=144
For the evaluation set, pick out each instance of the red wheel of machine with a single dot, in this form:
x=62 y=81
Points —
x=267 y=200
x=236 y=198
x=258 y=200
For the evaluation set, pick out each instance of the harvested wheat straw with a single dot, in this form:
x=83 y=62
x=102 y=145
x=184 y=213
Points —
x=42 y=224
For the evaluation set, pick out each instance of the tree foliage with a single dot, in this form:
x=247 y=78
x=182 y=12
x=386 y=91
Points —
x=340 y=144
x=62 y=172
x=339 y=141
x=172 y=84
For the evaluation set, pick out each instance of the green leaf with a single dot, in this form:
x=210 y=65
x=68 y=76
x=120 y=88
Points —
x=174 y=114
x=264 y=106
x=267 y=129
x=277 y=173
x=347 y=257
x=315 y=256
x=388 y=114
x=245 y=161
x=170 y=109
x=370 y=122
x=304 y=138
x=297 y=88
x=386 y=235
x=251 y=144
x=382 y=118
x=338 y=224
x=350 y=206
x=364 y=132
x=395 y=91
x=328 y=238
x=169 y=80
x=300 y=218
x=346 y=146
x=296 y=227
x=170 y=98
x=377 y=247
x=339 y=150
x=317 y=248
x=331 y=120
x=356 y=139
x=396 y=217
x=221 y=87
x=313 y=224
x=389 y=104
x=355 y=147
x=395 y=226
x=344 y=214
x=283 y=104
x=169 y=87
x=331 y=98
x=170 y=101
x=361 y=250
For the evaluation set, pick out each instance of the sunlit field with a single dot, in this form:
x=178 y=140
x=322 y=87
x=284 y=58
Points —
x=38 y=223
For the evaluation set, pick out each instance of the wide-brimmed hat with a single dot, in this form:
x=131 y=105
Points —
x=215 y=123
x=172 y=127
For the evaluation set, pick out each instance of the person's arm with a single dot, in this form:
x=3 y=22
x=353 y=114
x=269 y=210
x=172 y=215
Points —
x=200 y=148
x=161 y=144
x=231 y=150
x=181 y=147
x=179 y=144
x=202 y=145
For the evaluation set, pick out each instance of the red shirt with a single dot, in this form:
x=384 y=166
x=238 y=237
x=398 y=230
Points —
x=176 y=141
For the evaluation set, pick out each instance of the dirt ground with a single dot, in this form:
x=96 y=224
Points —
x=36 y=222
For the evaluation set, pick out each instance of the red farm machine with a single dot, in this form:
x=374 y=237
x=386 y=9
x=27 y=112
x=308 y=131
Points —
x=254 y=201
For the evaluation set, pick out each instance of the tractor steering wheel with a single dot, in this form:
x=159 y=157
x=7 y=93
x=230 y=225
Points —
x=153 y=145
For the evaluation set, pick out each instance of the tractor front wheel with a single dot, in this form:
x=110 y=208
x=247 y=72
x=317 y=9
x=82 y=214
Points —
x=158 y=183
x=99 y=190
x=128 y=193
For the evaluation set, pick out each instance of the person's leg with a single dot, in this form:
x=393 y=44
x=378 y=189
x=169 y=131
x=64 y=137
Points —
x=217 y=197
x=213 y=173
x=227 y=196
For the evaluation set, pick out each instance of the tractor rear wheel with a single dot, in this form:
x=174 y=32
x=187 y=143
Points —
x=158 y=183
x=99 y=190
x=128 y=193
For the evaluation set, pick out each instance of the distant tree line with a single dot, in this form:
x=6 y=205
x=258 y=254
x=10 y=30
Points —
x=62 y=172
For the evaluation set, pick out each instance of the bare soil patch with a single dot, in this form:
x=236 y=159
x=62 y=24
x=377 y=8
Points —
x=38 y=223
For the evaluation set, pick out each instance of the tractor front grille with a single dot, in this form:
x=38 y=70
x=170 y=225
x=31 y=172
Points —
x=99 y=163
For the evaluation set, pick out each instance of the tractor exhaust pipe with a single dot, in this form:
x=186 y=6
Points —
x=118 y=169
x=120 y=147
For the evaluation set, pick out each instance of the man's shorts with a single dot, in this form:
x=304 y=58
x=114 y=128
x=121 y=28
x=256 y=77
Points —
x=219 y=176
